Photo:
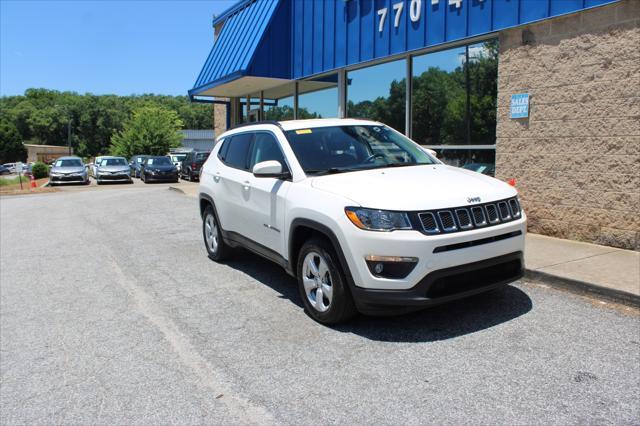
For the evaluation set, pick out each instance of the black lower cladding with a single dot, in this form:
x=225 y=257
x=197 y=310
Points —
x=444 y=285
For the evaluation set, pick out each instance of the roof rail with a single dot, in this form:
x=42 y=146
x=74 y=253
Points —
x=252 y=123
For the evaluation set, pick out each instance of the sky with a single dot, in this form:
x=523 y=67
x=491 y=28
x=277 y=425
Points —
x=118 y=47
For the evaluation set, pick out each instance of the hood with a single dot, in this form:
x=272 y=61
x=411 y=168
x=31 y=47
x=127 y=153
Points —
x=415 y=187
x=111 y=169
x=73 y=169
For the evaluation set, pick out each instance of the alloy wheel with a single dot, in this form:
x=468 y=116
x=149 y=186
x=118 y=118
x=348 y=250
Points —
x=316 y=279
x=211 y=233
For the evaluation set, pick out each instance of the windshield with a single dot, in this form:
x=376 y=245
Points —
x=114 y=162
x=202 y=156
x=176 y=158
x=139 y=159
x=357 y=147
x=69 y=163
x=159 y=161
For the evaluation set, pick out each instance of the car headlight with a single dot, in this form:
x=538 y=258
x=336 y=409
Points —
x=378 y=220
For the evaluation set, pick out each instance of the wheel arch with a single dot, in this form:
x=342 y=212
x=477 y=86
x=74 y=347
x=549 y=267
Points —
x=204 y=201
x=302 y=230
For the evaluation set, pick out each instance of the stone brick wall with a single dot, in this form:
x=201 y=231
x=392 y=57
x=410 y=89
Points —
x=219 y=118
x=577 y=157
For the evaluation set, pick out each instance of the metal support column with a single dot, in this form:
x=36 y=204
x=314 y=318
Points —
x=342 y=93
x=261 y=112
x=408 y=120
x=248 y=106
x=295 y=100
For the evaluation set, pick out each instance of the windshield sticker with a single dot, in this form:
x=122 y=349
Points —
x=303 y=132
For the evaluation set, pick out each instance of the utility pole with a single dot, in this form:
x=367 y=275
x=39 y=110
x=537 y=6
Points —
x=69 y=135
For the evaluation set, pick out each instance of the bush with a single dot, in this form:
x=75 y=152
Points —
x=39 y=170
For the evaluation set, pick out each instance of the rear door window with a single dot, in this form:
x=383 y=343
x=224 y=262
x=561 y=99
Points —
x=237 y=154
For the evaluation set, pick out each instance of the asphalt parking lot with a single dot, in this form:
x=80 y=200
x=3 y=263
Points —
x=111 y=312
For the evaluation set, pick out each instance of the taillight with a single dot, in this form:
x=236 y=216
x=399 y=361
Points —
x=193 y=165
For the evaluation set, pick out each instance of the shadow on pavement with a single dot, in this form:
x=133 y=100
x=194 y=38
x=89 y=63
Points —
x=440 y=322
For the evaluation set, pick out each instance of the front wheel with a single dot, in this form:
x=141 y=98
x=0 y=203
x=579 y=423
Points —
x=322 y=285
x=217 y=249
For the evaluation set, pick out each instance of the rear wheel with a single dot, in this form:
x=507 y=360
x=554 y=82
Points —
x=217 y=249
x=322 y=285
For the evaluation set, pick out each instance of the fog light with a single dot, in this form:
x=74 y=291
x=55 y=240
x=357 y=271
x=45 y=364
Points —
x=393 y=267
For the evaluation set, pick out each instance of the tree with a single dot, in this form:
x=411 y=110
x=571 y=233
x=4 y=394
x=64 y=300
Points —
x=152 y=130
x=11 y=148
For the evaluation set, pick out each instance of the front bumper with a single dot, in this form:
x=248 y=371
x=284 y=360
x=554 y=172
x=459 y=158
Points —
x=122 y=177
x=169 y=177
x=443 y=285
x=68 y=179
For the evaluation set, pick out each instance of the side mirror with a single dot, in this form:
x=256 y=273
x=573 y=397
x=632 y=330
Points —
x=270 y=169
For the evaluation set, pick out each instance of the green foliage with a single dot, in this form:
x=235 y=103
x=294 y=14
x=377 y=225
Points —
x=42 y=116
x=285 y=112
x=11 y=148
x=39 y=170
x=152 y=130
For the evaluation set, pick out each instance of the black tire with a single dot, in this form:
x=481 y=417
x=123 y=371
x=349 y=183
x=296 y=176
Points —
x=221 y=250
x=341 y=307
x=98 y=182
x=189 y=176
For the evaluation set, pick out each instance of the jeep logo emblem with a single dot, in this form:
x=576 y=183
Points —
x=473 y=200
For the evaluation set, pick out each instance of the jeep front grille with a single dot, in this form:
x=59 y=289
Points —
x=471 y=217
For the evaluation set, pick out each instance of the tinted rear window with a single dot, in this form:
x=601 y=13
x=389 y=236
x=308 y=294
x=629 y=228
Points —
x=238 y=151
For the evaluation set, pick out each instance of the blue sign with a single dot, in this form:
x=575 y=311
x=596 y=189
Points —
x=520 y=105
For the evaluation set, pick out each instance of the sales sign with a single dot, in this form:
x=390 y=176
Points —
x=520 y=105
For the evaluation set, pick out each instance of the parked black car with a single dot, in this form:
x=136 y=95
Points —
x=158 y=168
x=135 y=163
x=191 y=164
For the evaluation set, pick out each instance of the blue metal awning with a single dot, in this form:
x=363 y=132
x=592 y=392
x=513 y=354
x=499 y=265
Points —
x=234 y=51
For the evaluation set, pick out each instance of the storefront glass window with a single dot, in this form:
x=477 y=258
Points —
x=454 y=101
x=483 y=92
x=478 y=160
x=318 y=98
x=439 y=98
x=278 y=103
x=378 y=93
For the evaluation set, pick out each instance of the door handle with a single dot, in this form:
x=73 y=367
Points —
x=246 y=185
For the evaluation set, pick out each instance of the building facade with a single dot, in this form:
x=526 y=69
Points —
x=546 y=92
x=198 y=140
x=46 y=153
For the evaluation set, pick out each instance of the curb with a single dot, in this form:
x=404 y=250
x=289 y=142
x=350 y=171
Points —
x=584 y=287
x=173 y=188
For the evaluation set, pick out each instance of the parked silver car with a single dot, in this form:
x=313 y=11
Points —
x=112 y=169
x=68 y=170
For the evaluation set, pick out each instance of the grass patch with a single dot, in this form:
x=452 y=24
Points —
x=13 y=180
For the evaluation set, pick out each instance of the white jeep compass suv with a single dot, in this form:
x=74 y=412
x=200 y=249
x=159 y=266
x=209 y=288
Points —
x=363 y=217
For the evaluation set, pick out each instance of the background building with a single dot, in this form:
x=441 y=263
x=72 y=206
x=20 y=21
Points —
x=547 y=91
x=46 y=153
x=198 y=140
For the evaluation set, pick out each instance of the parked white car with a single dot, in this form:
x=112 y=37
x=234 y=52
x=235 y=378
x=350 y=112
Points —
x=362 y=216
x=96 y=163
